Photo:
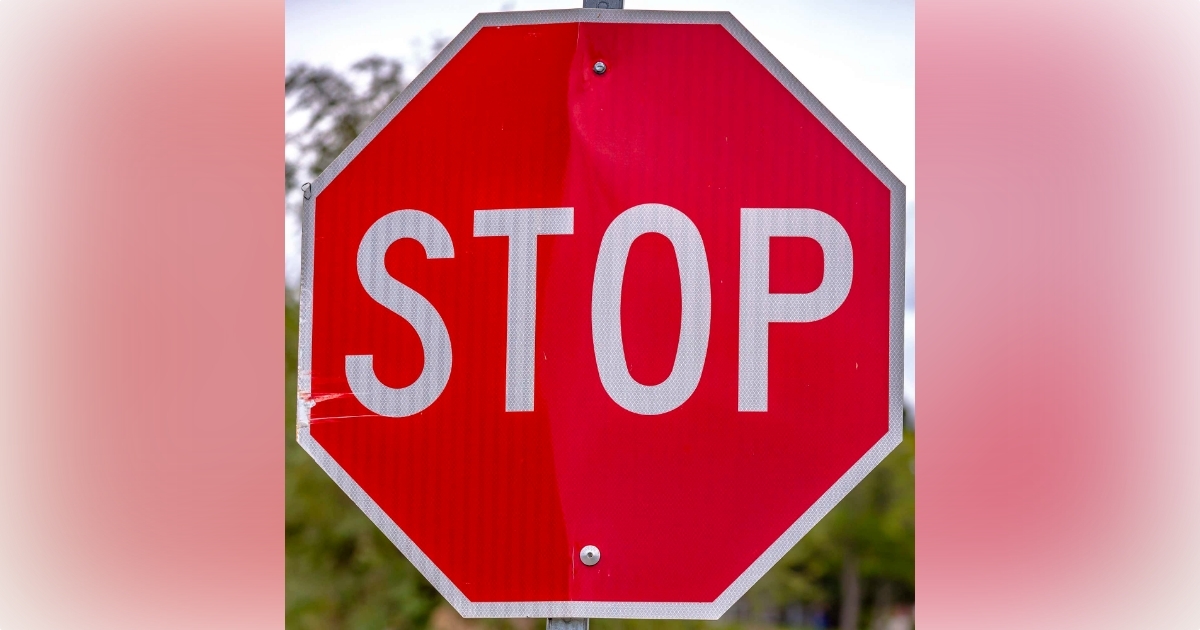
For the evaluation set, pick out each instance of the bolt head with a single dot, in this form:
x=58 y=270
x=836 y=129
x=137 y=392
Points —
x=600 y=67
x=589 y=555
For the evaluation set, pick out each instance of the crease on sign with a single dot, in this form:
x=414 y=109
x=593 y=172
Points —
x=589 y=107
x=577 y=57
x=577 y=171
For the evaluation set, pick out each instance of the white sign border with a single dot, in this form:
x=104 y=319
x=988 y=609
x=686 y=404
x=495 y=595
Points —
x=595 y=609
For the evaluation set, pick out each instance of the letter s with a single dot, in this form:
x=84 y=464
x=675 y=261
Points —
x=412 y=306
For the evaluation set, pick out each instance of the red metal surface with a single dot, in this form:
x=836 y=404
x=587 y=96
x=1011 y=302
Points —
x=681 y=503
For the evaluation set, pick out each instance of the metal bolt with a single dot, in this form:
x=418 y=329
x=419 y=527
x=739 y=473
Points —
x=600 y=67
x=589 y=555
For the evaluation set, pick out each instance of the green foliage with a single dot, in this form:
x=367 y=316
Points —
x=657 y=624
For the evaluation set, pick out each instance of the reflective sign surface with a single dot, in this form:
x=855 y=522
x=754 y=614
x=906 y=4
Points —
x=650 y=309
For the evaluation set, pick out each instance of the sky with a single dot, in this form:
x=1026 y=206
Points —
x=856 y=56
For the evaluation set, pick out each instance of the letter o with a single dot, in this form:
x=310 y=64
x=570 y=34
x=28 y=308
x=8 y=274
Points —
x=695 y=288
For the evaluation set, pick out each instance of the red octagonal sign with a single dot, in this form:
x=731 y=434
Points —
x=601 y=315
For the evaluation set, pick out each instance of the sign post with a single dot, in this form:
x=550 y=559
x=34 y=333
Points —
x=601 y=316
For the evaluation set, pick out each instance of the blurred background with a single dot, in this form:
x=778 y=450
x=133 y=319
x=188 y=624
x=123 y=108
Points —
x=345 y=62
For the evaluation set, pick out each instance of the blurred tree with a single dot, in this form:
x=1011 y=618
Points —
x=336 y=109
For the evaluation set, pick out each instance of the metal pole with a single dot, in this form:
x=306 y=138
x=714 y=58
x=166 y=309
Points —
x=562 y=623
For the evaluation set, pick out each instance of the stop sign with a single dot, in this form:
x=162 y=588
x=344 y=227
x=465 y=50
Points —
x=601 y=315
